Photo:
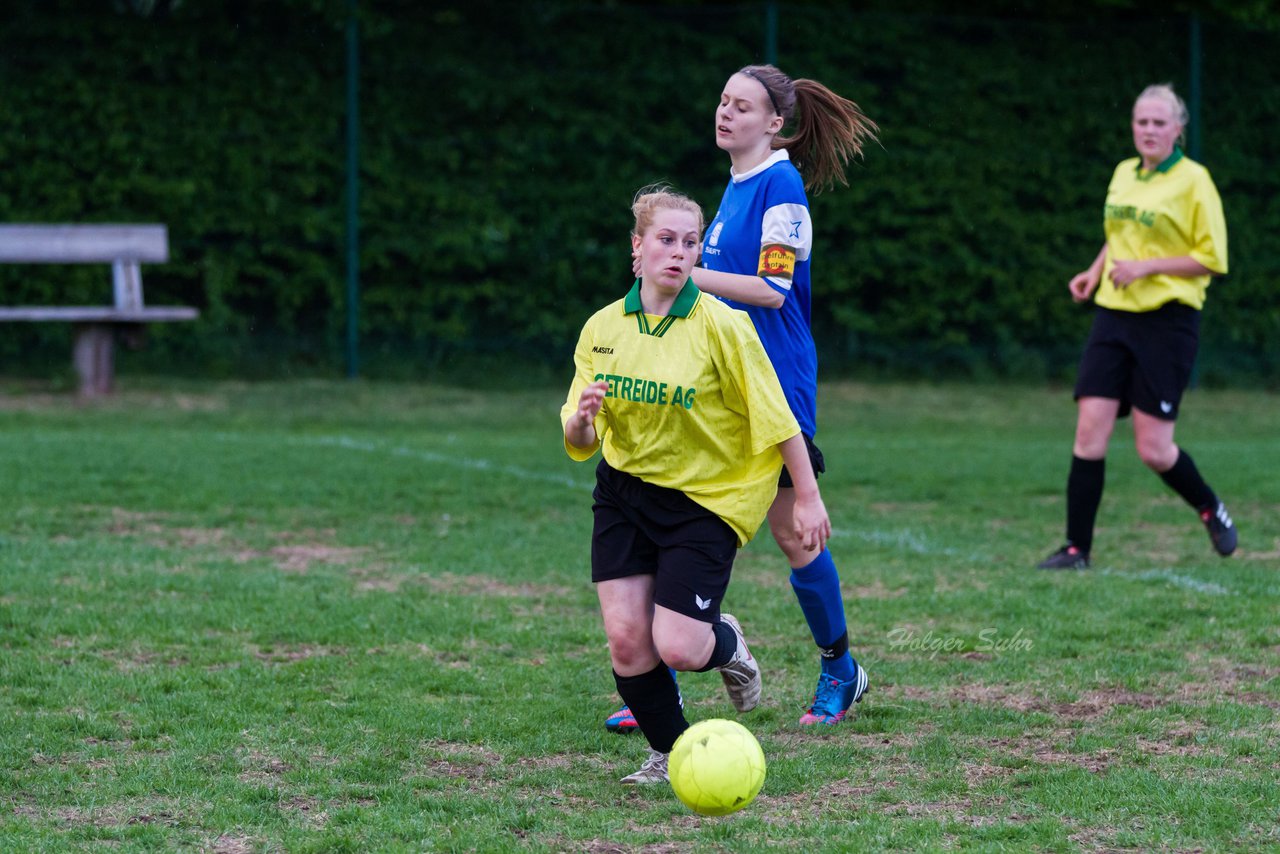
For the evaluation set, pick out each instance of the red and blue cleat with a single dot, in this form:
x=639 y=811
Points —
x=833 y=698
x=621 y=722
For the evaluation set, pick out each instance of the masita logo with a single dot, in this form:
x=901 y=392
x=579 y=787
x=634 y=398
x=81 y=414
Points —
x=608 y=351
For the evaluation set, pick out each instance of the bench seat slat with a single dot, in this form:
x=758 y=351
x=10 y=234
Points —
x=98 y=314
x=22 y=243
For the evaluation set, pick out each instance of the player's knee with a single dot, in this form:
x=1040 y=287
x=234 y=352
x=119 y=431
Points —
x=790 y=544
x=685 y=649
x=631 y=657
x=681 y=658
x=1091 y=441
x=628 y=647
x=1158 y=456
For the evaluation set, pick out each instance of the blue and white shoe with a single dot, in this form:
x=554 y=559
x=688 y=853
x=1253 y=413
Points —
x=832 y=699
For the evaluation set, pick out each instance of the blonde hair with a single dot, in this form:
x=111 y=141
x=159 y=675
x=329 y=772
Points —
x=655 y=197
x=829 y=130
x=1164 y=92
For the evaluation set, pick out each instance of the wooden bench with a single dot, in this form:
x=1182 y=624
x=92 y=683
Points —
x=125 y=248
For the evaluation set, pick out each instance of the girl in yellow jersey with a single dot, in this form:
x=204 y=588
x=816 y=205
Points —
x=1166 y=238
x=677 y=392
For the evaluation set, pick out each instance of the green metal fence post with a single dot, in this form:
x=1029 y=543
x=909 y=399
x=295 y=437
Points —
x=1195 y=51
x=771 y=32
x=353 y=191
x=1193 y=89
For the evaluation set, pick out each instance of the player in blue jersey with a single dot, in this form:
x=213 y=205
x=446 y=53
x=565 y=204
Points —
x=756 y=257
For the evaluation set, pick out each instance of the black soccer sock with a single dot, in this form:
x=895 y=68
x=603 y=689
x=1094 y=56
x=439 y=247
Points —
x=726 y=646
x=1084 y=494
x=655 y=701
x=1184 y=478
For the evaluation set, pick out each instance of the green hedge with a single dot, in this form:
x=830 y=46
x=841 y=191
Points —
x=501 y=143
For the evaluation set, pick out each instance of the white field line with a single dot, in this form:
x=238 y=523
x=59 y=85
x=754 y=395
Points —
x=471 y=463
x=907 y=541
x=487 y=466
x=1177 y=580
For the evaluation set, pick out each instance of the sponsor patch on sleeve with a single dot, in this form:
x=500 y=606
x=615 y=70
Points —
x=777 y=261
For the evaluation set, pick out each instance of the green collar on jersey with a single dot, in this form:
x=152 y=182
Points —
x=685 y=300
x=1165 y=165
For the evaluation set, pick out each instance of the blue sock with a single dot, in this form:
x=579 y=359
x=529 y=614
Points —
x=817 y=586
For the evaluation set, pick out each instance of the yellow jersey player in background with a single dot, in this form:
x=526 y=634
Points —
x=1166 y=238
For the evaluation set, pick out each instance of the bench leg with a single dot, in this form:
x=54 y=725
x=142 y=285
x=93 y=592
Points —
x=95 y=358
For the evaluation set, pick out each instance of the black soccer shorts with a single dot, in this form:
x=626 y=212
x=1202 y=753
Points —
x=643 y=529
x=1142 y=359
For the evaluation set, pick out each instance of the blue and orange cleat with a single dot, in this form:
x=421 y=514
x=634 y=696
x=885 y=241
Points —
x=833 y=698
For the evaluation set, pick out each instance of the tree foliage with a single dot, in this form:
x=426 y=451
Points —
x=501 y=143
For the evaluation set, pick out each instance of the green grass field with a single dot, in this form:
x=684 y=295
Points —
x=357 y=617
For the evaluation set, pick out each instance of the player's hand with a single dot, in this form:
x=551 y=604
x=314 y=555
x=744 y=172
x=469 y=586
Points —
x=590 y=402
x=1082 y=286
x=580 y=428
x=811 y=523
x=1125 y=273
x=635 y=263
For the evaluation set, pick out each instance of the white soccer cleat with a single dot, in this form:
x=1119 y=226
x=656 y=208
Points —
x=654 y=770
x=741 y=674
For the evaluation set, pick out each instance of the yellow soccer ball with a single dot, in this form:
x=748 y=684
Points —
x=716 y=767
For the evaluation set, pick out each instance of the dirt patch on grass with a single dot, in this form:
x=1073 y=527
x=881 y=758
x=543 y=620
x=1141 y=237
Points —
x=1045 y=748
x=310 y=809
x=487 y=585
x=958 y=810
x=262 y=768
x=1090 y=705
x=126 y=812
x=566 y=761
x=369 y=578
x=132 y=522
x=233 y=845
x=128 y=661
x=298 y=551
x=1051 y=746
x=453 y=759
x=300 y=558
x=1220 y=679
x=876 y=590
x=297 y=652
x=1095 y=704
x=604 y=846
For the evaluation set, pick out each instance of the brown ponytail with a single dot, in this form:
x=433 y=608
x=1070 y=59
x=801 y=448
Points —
x=827 y=130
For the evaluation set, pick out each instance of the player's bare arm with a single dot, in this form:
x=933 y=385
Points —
x=1083 y=284
x=1125 y=273
x=752 y=290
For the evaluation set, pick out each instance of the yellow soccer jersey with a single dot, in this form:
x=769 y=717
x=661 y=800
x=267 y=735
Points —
x=1165 y=212
x=693 y=403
